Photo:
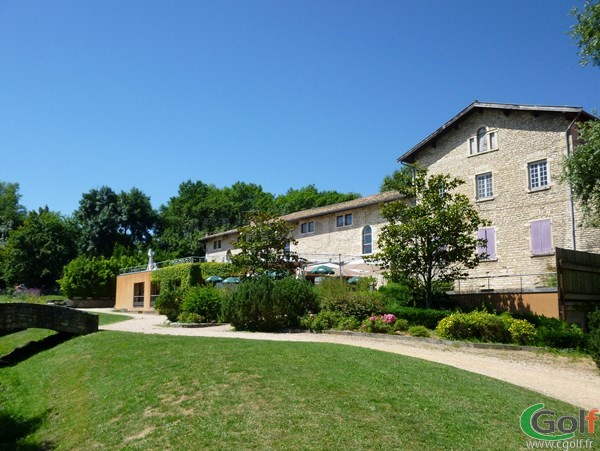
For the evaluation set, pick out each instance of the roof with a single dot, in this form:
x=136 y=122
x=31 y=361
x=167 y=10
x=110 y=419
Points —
x=361 y=202
x=573 y=111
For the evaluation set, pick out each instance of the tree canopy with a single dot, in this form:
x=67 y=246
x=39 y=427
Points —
x=431 y=234
x=12 y=213
x=587 y=32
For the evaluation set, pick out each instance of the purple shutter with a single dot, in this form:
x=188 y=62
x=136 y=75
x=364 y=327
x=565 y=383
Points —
x=489 y=234
x=541 y=237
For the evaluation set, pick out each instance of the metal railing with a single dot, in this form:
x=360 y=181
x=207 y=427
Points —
x=159 y=265
x=543 y=281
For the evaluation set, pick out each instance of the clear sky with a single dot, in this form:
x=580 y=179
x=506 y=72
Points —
x=281 y=93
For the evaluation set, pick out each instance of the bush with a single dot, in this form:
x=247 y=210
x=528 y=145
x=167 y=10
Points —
x=419 y=316
x=522 y=332
x=479 y=326
x=555 y=333
x=384 y=324
x=190 y=318
x=338 y=296
x=169 y=303
x=205 y=302
x=263 y=304
x=419 y=331
x=327 y=320
x=594 y=336
x=396 y=294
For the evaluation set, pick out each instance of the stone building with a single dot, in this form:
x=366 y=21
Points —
x=343 y=232
x=510 y=157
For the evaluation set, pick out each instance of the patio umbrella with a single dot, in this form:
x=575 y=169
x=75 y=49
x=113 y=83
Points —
x=353 y=279
x=322 y=269
x=214 y=279
x=232 y=280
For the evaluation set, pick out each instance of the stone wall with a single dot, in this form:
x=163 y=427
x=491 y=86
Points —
x=19 y=316
x=523 y=138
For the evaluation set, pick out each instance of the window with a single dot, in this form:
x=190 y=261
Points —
x=138 y=294
x=154 y=292
x=307 y=227
x=489 y=234
x=344 y=220
x=484 y=140
x=367 y=240
x=217 y=244
x=538 y=174
x=541 y=237
x=484 y=186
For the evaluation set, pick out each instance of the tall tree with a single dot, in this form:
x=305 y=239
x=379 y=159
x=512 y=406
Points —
x=309 y=197
x=431 y=234
x=12 y=213
x=37 y=251
x=587 y=32
x=582 y=170
x=137 y=218
x=264 y=244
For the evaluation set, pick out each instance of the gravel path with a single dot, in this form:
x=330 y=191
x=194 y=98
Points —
x=573 y=380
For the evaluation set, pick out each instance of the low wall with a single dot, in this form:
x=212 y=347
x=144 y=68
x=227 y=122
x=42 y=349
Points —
x=17 y=316
x=91 y=303
x=541 y=303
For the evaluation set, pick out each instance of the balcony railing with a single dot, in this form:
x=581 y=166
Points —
x=159 y=265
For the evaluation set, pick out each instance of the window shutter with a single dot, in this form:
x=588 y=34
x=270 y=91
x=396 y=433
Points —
x=488 y=234
x=541 y=237
x=480 y=236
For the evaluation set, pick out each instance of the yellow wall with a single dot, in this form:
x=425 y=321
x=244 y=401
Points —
x=540 y=303
x=125 y=282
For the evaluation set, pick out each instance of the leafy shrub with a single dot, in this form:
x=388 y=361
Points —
x=169 y=303
x=480 y=326
x=202 y=301
x=522 y=332
x=185 y=317
x=419 y=316
x=263 y=304
x=594 y=336
x=326 y=320
x=555 y=333
x=419 y=331
x=386 y=324
x=396 y=294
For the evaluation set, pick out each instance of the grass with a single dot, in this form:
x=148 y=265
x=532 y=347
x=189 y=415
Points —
x=114 y=390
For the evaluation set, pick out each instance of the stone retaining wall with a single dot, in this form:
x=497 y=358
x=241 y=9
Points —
x=20 y=315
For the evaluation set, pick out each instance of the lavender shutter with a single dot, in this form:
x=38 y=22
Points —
x=541 y=237
x=481 y=236
x=491 y=242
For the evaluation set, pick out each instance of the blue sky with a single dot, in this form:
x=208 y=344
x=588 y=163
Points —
x=286 y=93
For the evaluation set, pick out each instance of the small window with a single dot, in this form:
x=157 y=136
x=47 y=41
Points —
x=138 y=294
x=367 y=240
x=538 y=174
x=344 y=220
x=541 y=237
x=339 y=221
x=348 y=219
x=154 y=292
x=307 y=227
x=488 y=234
x=484 y=186
x=217 y=244
x=484 y=141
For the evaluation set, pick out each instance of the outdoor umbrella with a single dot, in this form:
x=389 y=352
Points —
x=353 y=279
x=214 y=279
x=322 y=270
x=232 y=280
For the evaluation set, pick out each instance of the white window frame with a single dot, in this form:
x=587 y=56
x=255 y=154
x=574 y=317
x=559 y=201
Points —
x=346 y=219
x=308 y=225
x=473 y=143
x=537 y=164
x=486 y=186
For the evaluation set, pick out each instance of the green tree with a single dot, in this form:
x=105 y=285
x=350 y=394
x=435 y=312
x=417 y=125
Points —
x=37 y=251
x=581 y=170
x=12 y=214
x=107 y=219
x=309 y=197
x=264 y=245
x=587 y=32
x=433 y=236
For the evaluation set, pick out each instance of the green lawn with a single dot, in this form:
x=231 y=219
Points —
x=114 y=390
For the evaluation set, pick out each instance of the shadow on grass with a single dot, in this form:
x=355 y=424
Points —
x=30 y=349
x=14 y=430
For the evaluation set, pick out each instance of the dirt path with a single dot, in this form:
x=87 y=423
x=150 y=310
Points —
x=573 y=380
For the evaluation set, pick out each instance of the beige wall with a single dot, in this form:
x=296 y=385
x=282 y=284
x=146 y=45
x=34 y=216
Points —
x=522 y=138
x=542 y=303
x=221 y=254
x=125 y=282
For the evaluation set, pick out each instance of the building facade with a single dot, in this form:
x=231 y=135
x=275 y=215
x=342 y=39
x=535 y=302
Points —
x=510 y=157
